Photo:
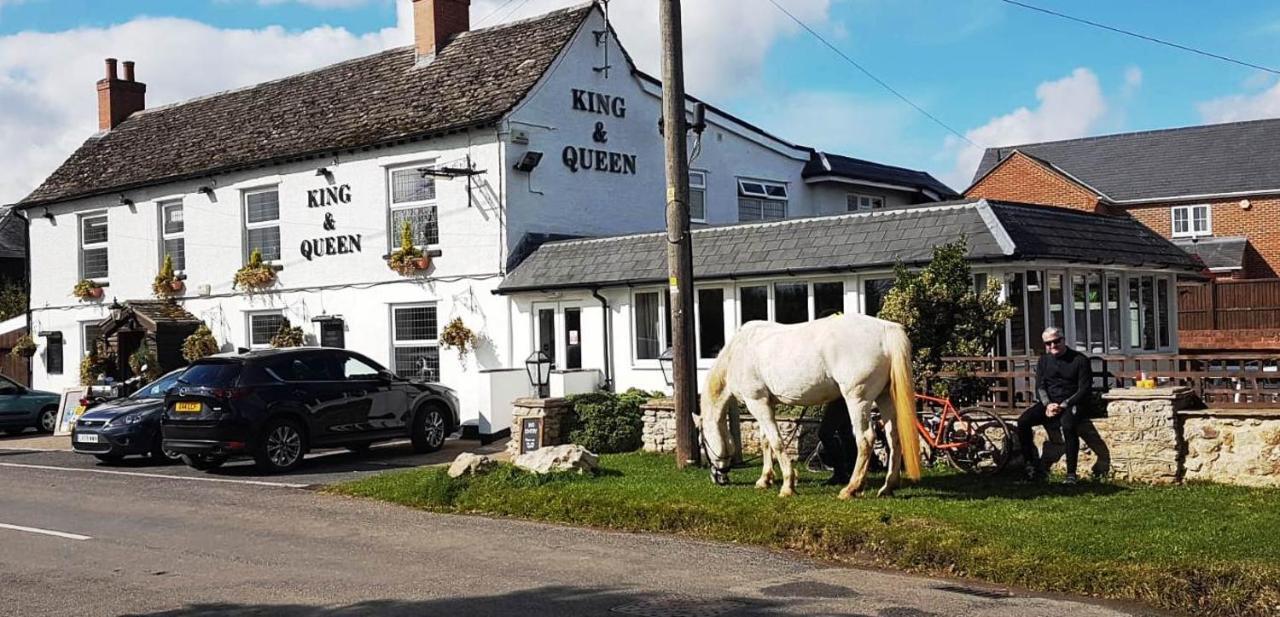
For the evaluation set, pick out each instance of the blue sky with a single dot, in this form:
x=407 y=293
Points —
x=997 y=73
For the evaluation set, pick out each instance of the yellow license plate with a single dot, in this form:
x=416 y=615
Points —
x=187 y=407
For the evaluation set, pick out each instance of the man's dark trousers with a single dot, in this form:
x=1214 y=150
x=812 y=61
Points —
x=836 y=434
x=1035 y=416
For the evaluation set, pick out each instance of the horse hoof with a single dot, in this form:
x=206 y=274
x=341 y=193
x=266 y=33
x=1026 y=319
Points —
x=786 y=492
x=763 y=483
x=884 y=492
x=845 y=494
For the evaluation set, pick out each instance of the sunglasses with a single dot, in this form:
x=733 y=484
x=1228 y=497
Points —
x=1053 y=343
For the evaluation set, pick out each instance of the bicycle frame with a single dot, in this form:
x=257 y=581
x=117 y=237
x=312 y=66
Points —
x=948 y=415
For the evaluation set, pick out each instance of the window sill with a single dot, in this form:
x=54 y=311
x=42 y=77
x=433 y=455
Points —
x=425 y=252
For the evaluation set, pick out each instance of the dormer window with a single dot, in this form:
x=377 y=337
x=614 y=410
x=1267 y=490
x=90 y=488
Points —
x=761 y=201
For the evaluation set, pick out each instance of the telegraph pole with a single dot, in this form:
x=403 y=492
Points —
x=679 y=243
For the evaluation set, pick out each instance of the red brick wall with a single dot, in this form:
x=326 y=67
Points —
x=1020 y=178
x=1191 y=341
x=1260 y=224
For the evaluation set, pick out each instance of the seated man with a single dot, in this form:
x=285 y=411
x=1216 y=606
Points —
x=1054 y=446
x=1063 y=384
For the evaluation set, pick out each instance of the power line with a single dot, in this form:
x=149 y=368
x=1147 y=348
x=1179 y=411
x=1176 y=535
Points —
x=869 y=74
x=1144 y=37
x=494 y=12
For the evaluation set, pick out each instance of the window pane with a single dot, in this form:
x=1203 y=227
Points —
x=1148 y=313
x=1017 y=323
x=873 y=293
x=791 y=302
x=94 y=229
x=415 y=323
x=573 y=338
x=1113 y=313
x=697 y=179
x=750 y=209
x=710 y=322
x=422 y=221
x=1035 y=305
x=755 y=303
x=53 y=355
x=1135 y=315
x=409 y=185
x=91 y=334
x=1093 y=295
x=1162 y=310
x=646 y=309
x=265 y=239
x=1056 y=302
x=418 y=362
x=547 y=333
x=697 y=204
x=1080 y=311
x=1201 y=214
x=262 y=207
x=95 y=264
x=751 y=188
x=828 y=299
x=173 y=222
x=774 y=210
x=178 y=250
x=356 y=369
x=262 y=327
x=776 y=191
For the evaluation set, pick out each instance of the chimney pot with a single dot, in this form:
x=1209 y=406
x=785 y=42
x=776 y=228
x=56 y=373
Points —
x=118 y=99
x=436 y=22
x=111 y=68
x=128 y=70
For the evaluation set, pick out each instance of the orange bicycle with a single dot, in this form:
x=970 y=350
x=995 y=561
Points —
x=974 y=441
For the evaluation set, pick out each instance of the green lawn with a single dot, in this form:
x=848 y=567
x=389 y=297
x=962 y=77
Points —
x=1202 y=549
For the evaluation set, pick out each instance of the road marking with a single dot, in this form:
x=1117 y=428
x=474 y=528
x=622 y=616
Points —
x=158 y=475
x=47 y=532
x=3 y=448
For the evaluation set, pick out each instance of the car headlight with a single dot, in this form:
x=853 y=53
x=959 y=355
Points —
x=132 y=418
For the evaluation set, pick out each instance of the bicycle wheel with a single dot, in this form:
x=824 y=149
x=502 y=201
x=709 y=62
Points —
x=987 y=440
x=880 y=447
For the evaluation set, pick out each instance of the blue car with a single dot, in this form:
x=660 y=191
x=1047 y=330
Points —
x=22 y=408
x=126 y=426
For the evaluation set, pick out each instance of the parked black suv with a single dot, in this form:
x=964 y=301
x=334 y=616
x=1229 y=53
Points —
x=275 y=405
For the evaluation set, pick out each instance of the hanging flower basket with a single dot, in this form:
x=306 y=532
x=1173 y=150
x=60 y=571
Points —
x=458 y=336
x=255 y=275
x=200 y=344
x=25 y=347
x=87 y=290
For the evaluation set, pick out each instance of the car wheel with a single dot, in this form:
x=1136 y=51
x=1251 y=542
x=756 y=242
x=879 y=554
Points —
x=110 y=459
x=48 y=420
x=281 y=446
x=430 y=427
x=203 y=462
x=160 y=455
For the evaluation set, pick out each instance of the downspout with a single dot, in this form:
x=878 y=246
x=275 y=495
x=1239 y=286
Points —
x=604 y=306
x=26 y=254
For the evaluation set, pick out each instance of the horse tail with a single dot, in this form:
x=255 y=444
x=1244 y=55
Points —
x=902 y=390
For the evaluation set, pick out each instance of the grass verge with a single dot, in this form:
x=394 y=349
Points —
x=1201 y=549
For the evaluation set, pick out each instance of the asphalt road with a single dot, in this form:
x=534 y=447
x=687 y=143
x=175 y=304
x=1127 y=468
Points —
x=159 y=541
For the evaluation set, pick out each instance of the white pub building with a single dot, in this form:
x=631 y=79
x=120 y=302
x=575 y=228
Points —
x=488 y=143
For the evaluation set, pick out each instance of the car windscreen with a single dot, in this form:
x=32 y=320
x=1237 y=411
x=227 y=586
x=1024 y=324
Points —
x=212 y=374
x=159 y=387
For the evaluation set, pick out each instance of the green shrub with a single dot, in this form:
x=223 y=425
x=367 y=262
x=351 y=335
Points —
x=606 y=422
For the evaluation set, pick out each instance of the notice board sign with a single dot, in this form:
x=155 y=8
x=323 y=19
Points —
x=530 y=434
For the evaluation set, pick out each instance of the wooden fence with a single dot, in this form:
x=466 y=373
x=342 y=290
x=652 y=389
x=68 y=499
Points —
x=16 y=368
x=1229 y=305
x=1236 y=381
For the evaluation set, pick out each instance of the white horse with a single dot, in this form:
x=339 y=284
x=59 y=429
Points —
x=864 y=359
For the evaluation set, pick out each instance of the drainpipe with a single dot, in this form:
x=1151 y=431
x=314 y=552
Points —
x=604 y=305
x=26 y=253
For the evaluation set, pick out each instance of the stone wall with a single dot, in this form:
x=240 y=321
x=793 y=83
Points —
x=1141 y=431
x=799 y=437
x=659 y=434
x=1233 y=447
x=554 y=413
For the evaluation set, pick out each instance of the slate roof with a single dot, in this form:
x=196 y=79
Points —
x=995 y=231
x=1215 y=159
x=13 y=235
x=826 y=164
x=1218 y=253
x=379 y=99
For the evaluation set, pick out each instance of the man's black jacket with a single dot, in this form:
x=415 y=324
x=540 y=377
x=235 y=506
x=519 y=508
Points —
x=1065 y=379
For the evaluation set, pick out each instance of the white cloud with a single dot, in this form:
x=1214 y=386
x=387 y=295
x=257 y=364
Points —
x=1072 y=106
x=1132 y=80
x=1264 y=104
x=50 y=105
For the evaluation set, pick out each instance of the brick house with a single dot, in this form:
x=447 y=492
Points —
x=1213 y=190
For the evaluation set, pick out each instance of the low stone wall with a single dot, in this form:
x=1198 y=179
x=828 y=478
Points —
x=1233 y=447
x=1141 y=431
x=553 y=412
x=799 y=437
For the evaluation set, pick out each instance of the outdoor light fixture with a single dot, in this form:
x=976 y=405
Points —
x=665 y=362
x=206 y=190
x=538 y=366
x=47 y=214
x=326 y=173
x=125 y=201
x=528 y=161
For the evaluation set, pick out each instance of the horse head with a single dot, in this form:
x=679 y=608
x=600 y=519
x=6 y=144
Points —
x=715 y=438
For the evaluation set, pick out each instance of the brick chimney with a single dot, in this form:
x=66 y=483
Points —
x=435 y=22
x=118 y=98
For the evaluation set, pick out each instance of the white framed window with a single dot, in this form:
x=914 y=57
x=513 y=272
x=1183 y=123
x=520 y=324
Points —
x=412 y=197
x=89 y=333
x=262 y=326
x=262 y=223
x=172 y=231
x=1191 y=221
x=651 y=330
x=93 y=246
x=415 y=345
x=863 y=203
x=698 y=196
x=761 y=201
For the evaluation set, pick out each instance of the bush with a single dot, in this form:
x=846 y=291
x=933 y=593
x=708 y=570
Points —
x=200 y=344
x=13 y=299
x=606 y=422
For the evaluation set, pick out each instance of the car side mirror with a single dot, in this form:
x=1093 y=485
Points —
x=386 y=376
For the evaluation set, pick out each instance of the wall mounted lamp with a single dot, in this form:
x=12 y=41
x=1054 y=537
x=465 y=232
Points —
x=326 y=173
x=528 y=161
x=47 y=214
x=205 y=190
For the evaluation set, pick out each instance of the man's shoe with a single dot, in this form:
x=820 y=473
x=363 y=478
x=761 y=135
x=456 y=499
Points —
x=1071 y=480
x=1099 y=476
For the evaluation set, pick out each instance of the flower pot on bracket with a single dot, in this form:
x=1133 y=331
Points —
x=95 y=292
x=177 y=285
